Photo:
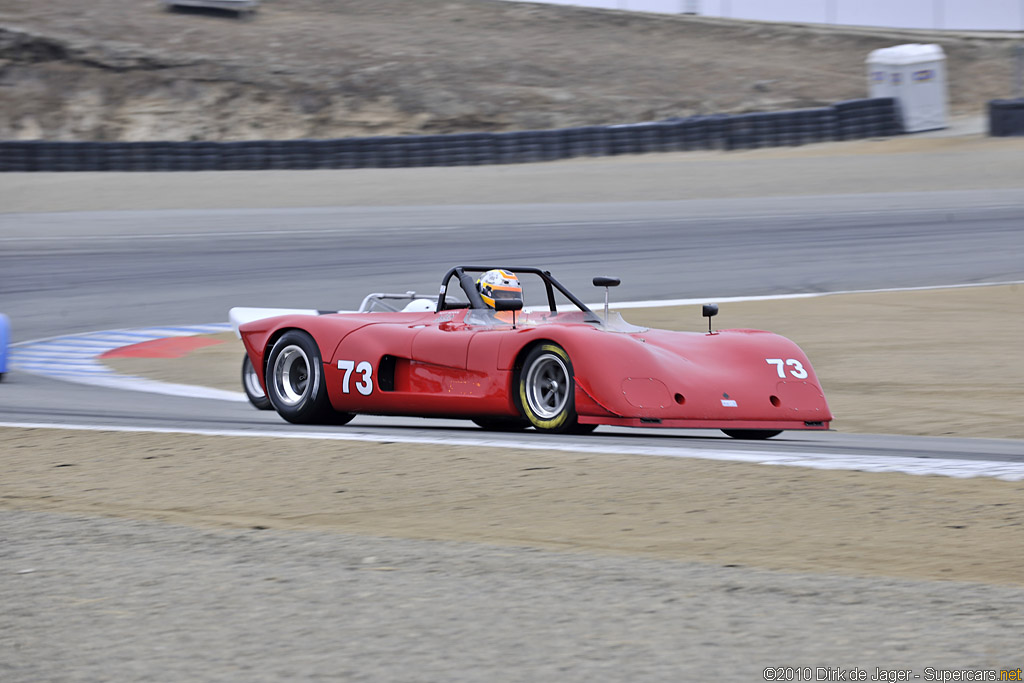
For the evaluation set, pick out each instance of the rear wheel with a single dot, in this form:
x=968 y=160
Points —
x=547 y=390
x=752 y=434
x=251 y=384
x=295 y=382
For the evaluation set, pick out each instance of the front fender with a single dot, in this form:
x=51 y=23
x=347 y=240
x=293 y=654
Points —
x=732 y=375
x=327 y=331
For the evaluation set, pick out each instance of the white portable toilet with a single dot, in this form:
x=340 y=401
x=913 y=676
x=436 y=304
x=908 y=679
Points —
x=915 y=74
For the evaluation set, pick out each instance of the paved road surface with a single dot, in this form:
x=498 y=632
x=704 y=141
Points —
x=68 y=272
x=72 y=272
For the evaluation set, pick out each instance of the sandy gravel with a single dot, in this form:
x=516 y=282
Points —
x=103 y=599
x=719 y=513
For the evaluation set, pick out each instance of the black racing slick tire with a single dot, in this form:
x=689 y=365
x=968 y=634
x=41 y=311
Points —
x=295 y=382
x=547 y=390
x=251 y=384
x=752 y=434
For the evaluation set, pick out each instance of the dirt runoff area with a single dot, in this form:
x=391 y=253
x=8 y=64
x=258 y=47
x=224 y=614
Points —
x=693 y=510
x=929 y=362
x=128 y=70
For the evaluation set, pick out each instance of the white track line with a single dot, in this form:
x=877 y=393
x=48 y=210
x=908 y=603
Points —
x=1007 y=471
x=801 y=295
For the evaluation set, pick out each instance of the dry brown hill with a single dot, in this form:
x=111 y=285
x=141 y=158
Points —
x=129 y=70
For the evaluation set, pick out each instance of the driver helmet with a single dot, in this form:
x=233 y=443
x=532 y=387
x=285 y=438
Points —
x=499 y=284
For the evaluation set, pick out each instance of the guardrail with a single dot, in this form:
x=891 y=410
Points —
x=842 y=121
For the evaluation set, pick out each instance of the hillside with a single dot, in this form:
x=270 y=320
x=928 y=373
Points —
x=129 y=70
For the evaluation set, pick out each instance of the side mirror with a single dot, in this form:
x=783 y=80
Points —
x=509 y=305
x=710 y=311
x=606 y=282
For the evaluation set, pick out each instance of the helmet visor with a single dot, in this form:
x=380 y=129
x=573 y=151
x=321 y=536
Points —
x=506 y=293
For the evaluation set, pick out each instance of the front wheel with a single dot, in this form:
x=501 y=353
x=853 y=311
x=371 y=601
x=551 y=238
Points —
x=752 y=434
x=251 y=384
x=547 y=390
x=295 y=382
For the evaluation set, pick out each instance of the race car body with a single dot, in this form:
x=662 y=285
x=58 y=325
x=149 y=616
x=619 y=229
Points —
x=564 y=368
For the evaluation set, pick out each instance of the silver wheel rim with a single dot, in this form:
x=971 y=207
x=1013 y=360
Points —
x=252 y=384
x=291 y=375
x=547 y=386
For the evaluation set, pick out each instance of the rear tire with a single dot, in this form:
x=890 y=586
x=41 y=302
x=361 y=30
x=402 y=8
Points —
x=253 y=388
x=752 y=434
x=295 y=382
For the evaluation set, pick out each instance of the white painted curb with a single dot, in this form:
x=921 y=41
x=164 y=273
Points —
x=75 y=358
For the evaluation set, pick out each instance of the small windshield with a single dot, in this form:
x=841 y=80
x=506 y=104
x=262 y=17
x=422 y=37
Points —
x=381 y=302
x=533 y=318
x=545 y=300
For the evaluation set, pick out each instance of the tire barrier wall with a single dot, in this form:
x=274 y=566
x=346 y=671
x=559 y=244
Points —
x=842 y=121
x=1006 y=117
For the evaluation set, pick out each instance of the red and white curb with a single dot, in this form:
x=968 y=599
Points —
x=76 y=358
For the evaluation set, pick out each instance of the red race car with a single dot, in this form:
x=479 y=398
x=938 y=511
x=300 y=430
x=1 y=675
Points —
x=475 y=352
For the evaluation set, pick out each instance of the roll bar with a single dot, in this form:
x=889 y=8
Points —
x=468 y=284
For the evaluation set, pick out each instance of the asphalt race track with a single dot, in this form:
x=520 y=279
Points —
x=81 y=271
x=73 y=272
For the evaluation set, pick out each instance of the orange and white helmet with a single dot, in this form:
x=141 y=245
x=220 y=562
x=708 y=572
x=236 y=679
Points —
x=499 y=284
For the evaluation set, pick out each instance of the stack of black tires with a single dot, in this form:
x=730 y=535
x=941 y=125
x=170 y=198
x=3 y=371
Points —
x=1006 y=117
x=843 y=121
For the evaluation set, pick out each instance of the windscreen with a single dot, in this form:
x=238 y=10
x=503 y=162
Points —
x=537 y=310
